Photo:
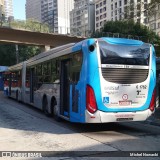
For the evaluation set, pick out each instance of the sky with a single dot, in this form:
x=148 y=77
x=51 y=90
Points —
x=19 y=9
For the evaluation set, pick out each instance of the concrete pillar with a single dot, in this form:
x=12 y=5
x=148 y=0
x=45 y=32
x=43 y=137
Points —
x=45 y=48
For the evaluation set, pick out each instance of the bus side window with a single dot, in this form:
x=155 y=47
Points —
x=47 y=72
x=55 y=71
x=39 y=75
x=76 y=67
x=28 y=78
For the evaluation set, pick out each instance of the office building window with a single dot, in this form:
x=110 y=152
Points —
x=120 y=10
x=116 y=5
x=112 y=13
x=145 y=20
x=145 y=6
x=97 y=5
x=120 y=3
x=111 y=6
x=97 y=12
x=120 y=17
x=115 y=12
x=138 y=20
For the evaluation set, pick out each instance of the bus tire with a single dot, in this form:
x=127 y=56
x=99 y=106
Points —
x=45 y=106
x=17 y=95
x=54 y=110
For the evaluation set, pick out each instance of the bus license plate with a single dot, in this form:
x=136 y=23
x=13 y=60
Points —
x=124 y=119
x=124 y=103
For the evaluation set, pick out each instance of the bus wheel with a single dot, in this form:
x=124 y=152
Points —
x=55 y=111
x=17 y=95
x=45 y=106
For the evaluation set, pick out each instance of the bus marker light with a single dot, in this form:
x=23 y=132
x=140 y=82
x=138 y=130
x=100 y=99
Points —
x=153 y=100
x=92 y=117
x=91 y=104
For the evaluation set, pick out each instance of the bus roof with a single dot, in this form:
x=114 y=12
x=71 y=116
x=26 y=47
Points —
x=122 y=41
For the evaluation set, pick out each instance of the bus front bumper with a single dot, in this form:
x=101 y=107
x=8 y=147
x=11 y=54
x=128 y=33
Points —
x=106 y=117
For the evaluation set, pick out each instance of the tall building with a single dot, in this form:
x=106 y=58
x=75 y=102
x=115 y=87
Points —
x=33 y=10
x=53 y=12
x=101 y=13
x=112 y=10
x=8 y=9
x=154 y=21
x=82 y=17
x=1 y=9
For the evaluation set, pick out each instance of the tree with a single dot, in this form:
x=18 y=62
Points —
x=8 y=53
x=31 y=25
x=26 y=52
x=128 y=29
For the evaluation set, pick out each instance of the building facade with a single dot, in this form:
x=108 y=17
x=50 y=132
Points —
x=82 y=18
x=8 y=9
x=154 y=21
x=1 y=9
x=53 y=12
x=101 y=13
x=113 y=10
x=33 y=10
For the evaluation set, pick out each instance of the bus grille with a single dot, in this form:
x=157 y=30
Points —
x=124 y=76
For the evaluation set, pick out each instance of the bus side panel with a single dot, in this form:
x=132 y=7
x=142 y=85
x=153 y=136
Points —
x=77 y=91
x=91 y=73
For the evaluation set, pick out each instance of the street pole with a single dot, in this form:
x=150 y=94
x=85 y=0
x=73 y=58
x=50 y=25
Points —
x=17 y=53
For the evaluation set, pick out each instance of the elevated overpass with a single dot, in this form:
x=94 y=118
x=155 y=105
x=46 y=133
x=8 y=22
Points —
x=45 y=40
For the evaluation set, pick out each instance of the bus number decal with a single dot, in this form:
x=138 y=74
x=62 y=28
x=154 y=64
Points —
x=141 y=87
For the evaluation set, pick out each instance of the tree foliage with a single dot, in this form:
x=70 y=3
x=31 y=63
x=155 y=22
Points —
x=8 y=53
x=26 y=52
x=128 y=29
x=30 y=24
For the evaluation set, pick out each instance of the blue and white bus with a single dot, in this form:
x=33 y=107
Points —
x=94 y=81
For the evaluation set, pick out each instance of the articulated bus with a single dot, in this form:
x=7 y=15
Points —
x=94 y=81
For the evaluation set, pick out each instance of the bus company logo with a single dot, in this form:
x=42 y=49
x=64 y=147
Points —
x=106 y=100
x=125 y=97
x=112 y=88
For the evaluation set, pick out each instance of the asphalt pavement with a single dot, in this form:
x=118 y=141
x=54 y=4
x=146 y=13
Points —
x=155 y=118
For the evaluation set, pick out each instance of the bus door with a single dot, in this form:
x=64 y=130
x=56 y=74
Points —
x=10 y=84
x=32 y=85
x=64 y=88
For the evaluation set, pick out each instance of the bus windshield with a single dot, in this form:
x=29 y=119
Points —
x=123 y=54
